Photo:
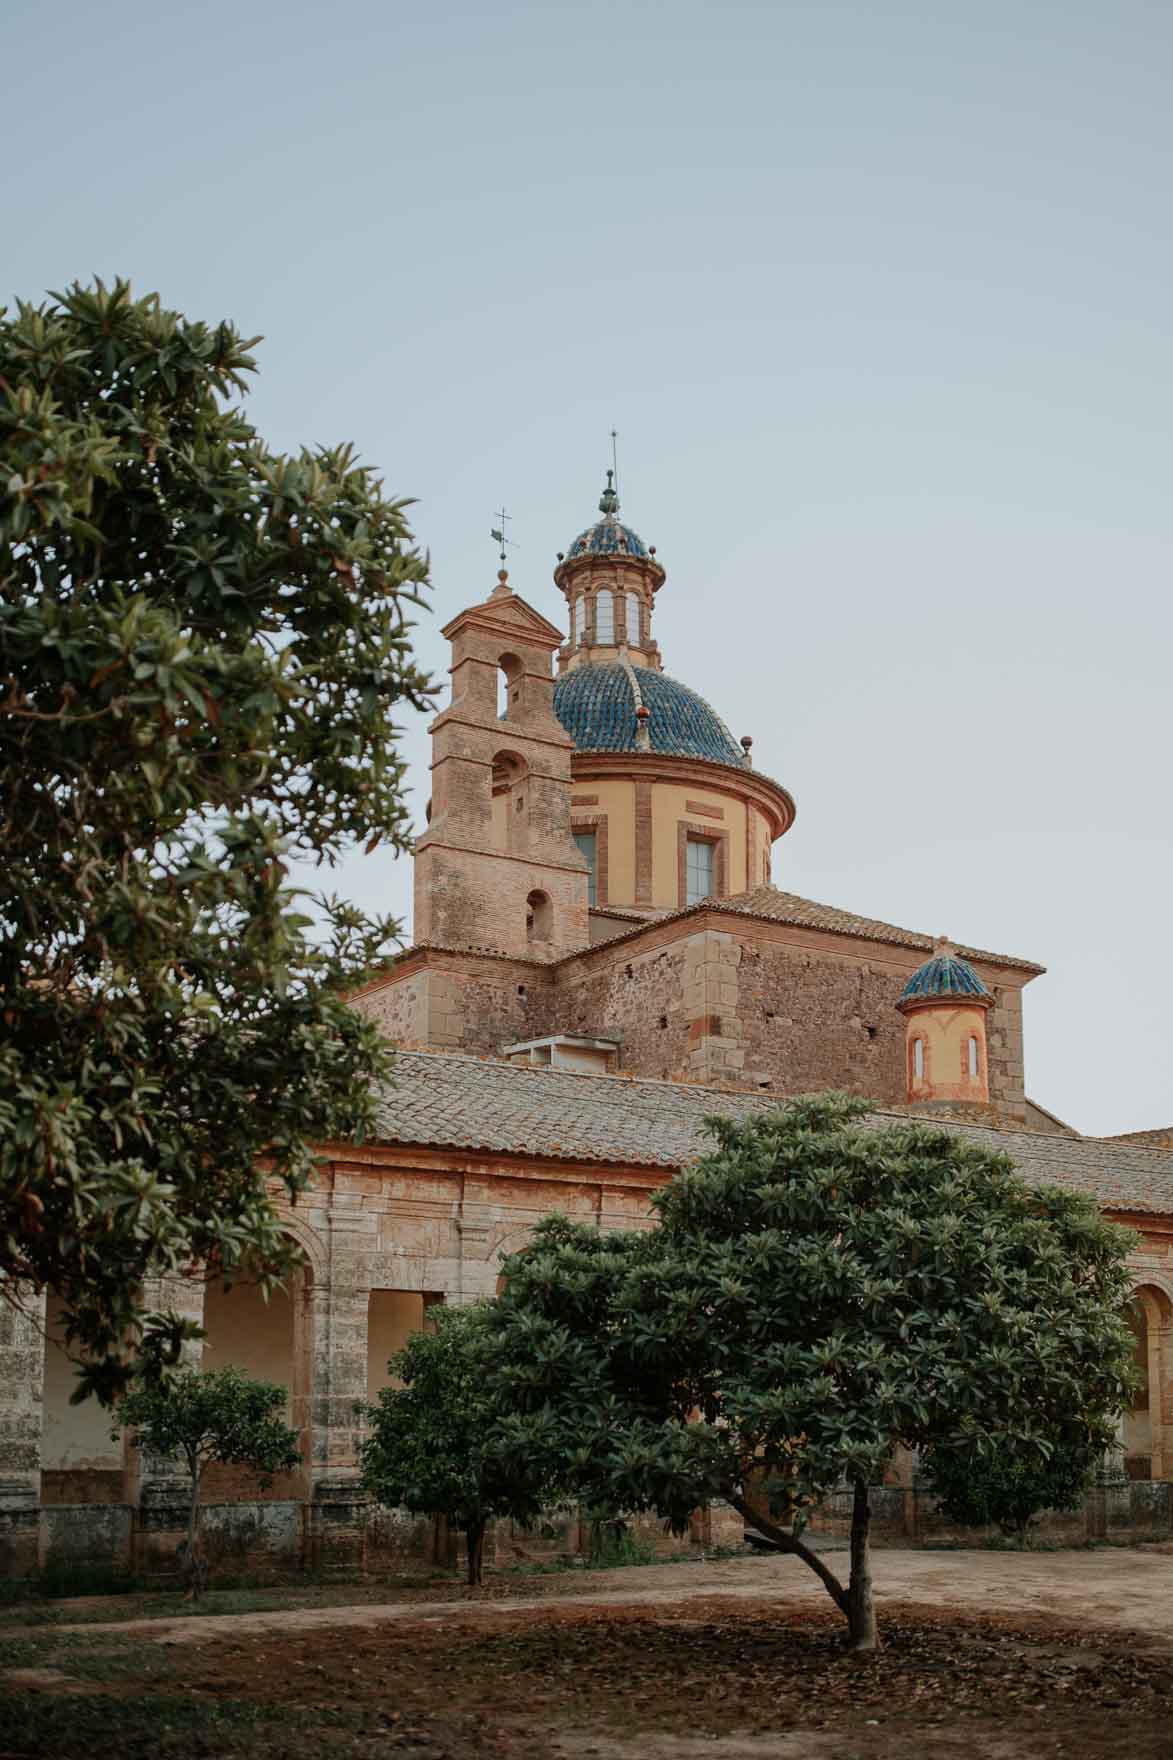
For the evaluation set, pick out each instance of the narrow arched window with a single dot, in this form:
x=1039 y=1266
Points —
x=633 y=619
x=579 y=617
x=918 y=1059
x=973 y=1054
x=604 y=616
x=539 y=917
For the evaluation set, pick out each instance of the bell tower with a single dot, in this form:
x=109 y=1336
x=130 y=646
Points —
x=497 y=868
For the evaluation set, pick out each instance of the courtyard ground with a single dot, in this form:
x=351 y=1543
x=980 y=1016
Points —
x=990 y=1654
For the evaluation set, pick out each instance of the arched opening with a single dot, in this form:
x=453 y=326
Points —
x=510 y=796
x=918 y=1060
x=79 y=1461
x=539 y=918
x=509 y=678
x=633 y=619
x=392 y=1316
x=269 y=1340
x=579 y=618
x=973 y=1063
x=604 y=616
x=1144 y=1438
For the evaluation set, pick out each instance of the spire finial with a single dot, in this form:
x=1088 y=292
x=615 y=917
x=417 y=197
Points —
x=609 y=499
x=497 y=533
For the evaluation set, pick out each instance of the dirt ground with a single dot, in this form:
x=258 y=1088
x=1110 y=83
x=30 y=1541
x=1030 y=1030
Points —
x=990 y=1654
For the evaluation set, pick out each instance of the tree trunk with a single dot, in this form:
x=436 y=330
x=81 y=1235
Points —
x=196 y=1568
x=475 y=1537
x=787 y=1543
x=861 y=1611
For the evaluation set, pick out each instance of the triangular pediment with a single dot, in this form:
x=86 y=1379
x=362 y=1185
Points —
x=506 y=612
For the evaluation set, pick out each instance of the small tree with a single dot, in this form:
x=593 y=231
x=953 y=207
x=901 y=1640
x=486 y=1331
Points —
x=1006 y=1487
x=223 y=1415
x=817 y=1292
x=430 y=1448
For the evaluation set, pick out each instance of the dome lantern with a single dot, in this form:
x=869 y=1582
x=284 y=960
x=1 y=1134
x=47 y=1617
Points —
x=609 y=577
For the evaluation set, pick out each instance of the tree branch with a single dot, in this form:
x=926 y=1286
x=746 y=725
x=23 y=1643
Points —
x=788 y=1543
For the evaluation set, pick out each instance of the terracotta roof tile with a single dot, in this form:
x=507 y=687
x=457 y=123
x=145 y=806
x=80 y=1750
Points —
x=460 y=1102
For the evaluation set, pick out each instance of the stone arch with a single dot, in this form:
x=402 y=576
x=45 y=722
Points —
x=539 y=918
x=80 y=1461
x=510 y=677
x=510 y=809
x=272 y=1340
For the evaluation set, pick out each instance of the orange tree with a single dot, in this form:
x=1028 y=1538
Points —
x=817 y=1292
x=202 y=646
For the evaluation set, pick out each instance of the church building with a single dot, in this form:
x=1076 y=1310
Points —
x=600 y=960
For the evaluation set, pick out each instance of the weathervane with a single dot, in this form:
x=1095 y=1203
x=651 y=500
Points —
x=497 y=534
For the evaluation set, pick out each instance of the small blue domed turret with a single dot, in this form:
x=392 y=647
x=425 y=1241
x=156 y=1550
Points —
x=945 y=974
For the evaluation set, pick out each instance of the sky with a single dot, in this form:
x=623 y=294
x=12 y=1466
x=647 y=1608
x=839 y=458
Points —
x=878 y=298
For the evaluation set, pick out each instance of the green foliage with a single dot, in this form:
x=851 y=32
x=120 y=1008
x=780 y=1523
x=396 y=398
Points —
x=222 y=1415
x=1009 y=1486
x=817 y=1292
x=431 y=1450
x=201 y=646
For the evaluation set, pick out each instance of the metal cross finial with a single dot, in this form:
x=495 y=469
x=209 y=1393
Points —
x=615 y=457
x=498 y=534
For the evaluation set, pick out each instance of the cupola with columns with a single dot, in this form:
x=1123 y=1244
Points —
x=610 y=578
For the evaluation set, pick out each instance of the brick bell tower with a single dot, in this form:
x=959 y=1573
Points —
x=497 y=868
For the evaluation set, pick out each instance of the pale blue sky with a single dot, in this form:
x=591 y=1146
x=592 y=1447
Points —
x=881 y=301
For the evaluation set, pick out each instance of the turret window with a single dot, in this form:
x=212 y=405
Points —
x=604 y=617
x=579 y=617
x=918 y=1059
x=973 y=1055
x=633 y=619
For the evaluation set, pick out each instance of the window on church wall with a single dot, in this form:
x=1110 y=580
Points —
x=604 y=616
x=539 y=917
x=588 y=843
x=509 y=677
x=918 y=1059
x=972 y=1054
x=633 y=619
x=700 y=865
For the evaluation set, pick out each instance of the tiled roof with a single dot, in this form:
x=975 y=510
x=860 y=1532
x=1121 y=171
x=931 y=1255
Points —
x=458 y=1102
x=607 y=537
x=597 y=705
x=787 y=907
x=943 y=975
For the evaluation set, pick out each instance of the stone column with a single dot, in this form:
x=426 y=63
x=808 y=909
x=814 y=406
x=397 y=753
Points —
x=337 y=1354
x=478 y=1276
x=22 y=1375
x=158 y=1483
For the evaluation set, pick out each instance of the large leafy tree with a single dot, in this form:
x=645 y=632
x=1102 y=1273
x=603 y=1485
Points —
x=222 y=1416
x=816 y=1293
x=202 y=645
x=431 y=1444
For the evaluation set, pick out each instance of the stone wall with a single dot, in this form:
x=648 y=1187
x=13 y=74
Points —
x=708 y=998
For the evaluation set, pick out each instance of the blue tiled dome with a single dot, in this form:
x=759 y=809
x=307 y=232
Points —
x=607 y=537
x=596 y=705
x=946 y=974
